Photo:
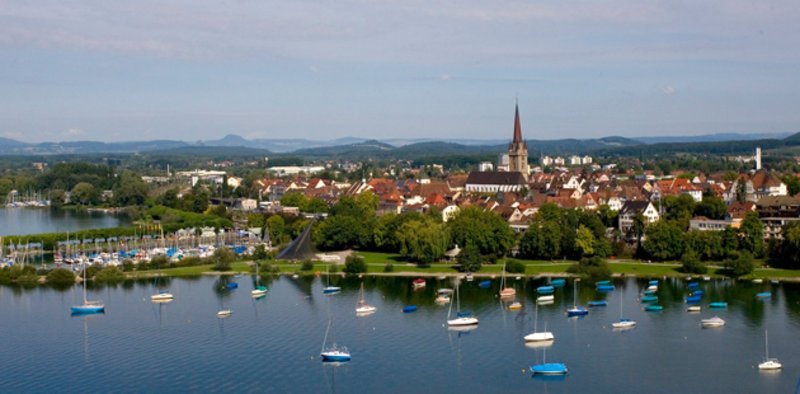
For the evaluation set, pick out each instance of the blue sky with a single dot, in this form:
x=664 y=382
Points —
x=196 y=69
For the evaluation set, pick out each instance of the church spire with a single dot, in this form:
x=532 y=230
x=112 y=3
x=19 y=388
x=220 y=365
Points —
x=517 y=127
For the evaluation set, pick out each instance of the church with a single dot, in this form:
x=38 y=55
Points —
x=505 y=181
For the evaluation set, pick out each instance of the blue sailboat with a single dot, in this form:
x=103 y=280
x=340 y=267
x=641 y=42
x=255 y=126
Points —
x=718 y=305
x=88 y=307
x=576 y=310
x=764 y=295
x=545 y=289
x=598 y=303
x=558 y=282
x=333 y=352
x=546 y=368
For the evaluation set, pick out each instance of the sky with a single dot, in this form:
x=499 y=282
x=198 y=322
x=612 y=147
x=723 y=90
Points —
x=198 y=69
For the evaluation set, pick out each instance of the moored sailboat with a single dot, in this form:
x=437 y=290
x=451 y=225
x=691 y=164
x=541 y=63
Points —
x=769 y=364
x=623 y=322
x=362 y=308
x=462 y=318
x=88 y=307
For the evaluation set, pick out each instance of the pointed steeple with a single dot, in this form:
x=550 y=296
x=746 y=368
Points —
x=517 y=126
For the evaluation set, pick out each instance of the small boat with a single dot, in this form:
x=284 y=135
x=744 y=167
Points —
x=602 y=283
x=295 y=276
x=506 y=292
x=331 y=289
x=224 y=313
x=545 y=299
x=653 y=288
x=232 y=285
x=598 y=303
x=693 y=299
x=718 y=305
x=623 y=323
x=653 y=282
x=558 y=282
x=693 y=308
x=549 y=369
x=515 y=306
x=651 y=298
x=764 y=295
x=649 y=293
x=441 y=277
x=485 y=284
x=259 y=291
x=698 y=293
x=362 y=308
x=712 y=322
x=769 y=364
x=653 y=308
x=758 y=280
x=443 y=296
x=706 y=278
x=693 y=286
x=605 y=288
x=409 y=308
x=334 y=352
x=576 y=310
x=537 y=336
x=418 y=283
x=774 y=281
x=462 y=318
x=161 y=296
x=545 y=289
x=88 y=307
x=470 y=277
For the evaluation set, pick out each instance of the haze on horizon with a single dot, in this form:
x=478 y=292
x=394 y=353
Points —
x=191 y=70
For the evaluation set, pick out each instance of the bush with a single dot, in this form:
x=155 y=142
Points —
x=222 y=259
x=159 y=261
x=515 y=267
x=692 y=263
x=593 y=267
x=355 y=264
x=307 y=265
x=109 y=274
x=739 y=265
x=388 y=267
x=128 y=265
x=60 y=276
x=260 y=253
x=190 y=261
x=267 y=268
x=28 y=280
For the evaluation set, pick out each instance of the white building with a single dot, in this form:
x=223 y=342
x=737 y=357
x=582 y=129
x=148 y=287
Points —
x=485 y=166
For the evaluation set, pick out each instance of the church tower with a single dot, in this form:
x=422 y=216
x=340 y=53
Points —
x=517 y=150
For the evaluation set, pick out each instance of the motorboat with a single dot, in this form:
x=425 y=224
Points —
x=224 y=313
x=161 y=296
x=418 y=283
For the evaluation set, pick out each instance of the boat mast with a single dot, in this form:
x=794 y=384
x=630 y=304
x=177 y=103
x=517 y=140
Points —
x=766 y=344
x=326 y=335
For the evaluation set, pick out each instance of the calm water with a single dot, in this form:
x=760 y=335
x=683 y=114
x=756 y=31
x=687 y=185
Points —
x=272 y=345
x=23 y=221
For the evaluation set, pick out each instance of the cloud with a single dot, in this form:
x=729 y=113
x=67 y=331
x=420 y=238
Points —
x=74 y=132
x=668 y=90
x=445 y=77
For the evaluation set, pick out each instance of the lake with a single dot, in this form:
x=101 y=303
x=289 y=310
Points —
x=273 y=344
x=24 y=221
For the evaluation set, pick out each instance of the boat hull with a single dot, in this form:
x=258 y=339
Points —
x=577 y=312
x=87 y=309
x=539 y=337
x=331 y=290
x=549 y=369
x=624 y=324
x=335 y=356
x=463 y=321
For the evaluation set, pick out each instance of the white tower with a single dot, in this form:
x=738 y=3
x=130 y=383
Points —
x=758 y=158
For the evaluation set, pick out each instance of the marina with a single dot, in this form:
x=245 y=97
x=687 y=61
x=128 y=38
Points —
x=111 y=349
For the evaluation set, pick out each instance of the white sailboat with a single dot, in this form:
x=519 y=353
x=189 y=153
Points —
x=362 y=308
x=537 y=336
x=623 y=322
x=769 y=364
x=88 y=307
x=162 y=295
x=462 y=318
x=330 y=289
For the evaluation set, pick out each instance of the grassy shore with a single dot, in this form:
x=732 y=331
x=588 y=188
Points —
x=377 y=264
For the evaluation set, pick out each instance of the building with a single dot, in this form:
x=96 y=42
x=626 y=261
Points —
x=776 y=212
x=494 y=182
x=517 y=150
x=629 y=211
x=702 y=223
x=485 y=166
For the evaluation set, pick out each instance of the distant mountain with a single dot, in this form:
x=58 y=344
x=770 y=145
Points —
x=720 y=137
x=358 y=148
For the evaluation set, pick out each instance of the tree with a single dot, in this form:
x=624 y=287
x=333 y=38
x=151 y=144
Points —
x=169 y=198
x=584 y=241
x=792 y=184
x=486 y=230
x=691 y=264
x=424 y=241
x=593 y=267
x=84 y=193
x=607 y=216
x=469 y=260
x=255 y=220
x=57 y=198
x=276 y=227
x=740 y=265
x=293 y=199
x=664 y=241
x=711 y=207
x=130 y=189
x=260 y=252
x=354 y=264
x=222 y=259
x=751 y=234
x=542 y=240
x=706 y=245
x=61 y=276
x=741 y=190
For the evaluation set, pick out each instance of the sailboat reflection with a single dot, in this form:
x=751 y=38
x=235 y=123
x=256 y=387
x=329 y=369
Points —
x=86 y=319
